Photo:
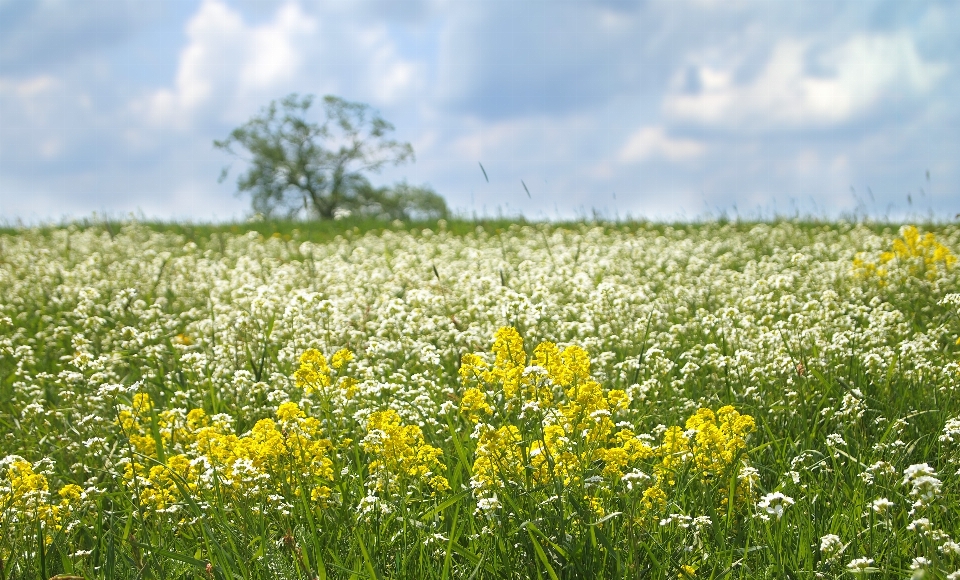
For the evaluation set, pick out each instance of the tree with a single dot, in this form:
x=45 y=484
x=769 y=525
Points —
x=297 y=167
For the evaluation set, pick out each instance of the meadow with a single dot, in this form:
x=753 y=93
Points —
x=458 y=400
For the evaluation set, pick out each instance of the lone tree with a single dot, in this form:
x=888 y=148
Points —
x=297 y=167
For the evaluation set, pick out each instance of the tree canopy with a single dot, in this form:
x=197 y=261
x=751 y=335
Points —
x=296 y=167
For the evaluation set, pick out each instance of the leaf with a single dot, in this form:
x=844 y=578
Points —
x=541 y=554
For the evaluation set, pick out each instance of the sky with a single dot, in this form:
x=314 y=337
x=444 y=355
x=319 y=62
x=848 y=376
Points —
x=672 y=109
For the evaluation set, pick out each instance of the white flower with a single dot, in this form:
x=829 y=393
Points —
x=861 y=566
x=830 y=546
x=634 y=478
x=835 y=440
x=950 y=547
x=679 y=519
x=917 y=470
x=774 y=503
x=882 y=468
x=535 y=370
x=924 y=485
x=951 y=430
x=881 y=505
x=488 y=504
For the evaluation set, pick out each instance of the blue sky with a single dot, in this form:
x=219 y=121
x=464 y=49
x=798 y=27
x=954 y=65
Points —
x=666 y=109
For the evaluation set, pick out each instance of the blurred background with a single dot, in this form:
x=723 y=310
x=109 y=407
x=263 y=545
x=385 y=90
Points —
x=674 y=109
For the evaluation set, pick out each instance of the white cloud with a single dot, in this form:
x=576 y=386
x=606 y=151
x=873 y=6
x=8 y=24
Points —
x=384 y=73
x=649 y=142
x=228 y=62
x=858 y=76
x=28 y=88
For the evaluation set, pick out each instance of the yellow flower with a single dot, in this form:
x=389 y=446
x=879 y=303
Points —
x=718 y=437
x=71 y=493
x=289 y=411
x=196 y=418
x=548 y=356
x=596 y=506
x=499 y=457
x=551 y=458
x=313 y=374
x=341 y=358
x=401 y=452
x=142 y=404
x=472 y=366
x=349 y=386
x=508 y=348
x=653 y=498
x=578 y=361
x=473 y=403
x=919 y=254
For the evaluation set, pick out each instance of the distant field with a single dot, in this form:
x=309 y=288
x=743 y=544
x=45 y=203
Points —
x=325 y=231
x=362 y=399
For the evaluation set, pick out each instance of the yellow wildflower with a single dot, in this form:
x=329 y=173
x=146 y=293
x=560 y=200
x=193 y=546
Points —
x=401 y=452
x=499 y=457
x=473 y=403
x=71 y=493
x=289 y=411
x=548 y=356
x=341 y=358
x=718 y=437
x=577 y=361
x=313 y=374
x=920 y=254
x=653 y=498
x=551 y=458
x=472 y=366
x=510 y=360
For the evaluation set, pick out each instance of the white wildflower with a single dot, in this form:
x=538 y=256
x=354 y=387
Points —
x=881 y=505
x=775 y=503
x=831 y=546
x=861 y=566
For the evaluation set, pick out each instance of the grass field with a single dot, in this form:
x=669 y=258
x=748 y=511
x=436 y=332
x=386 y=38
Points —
x=480 y=400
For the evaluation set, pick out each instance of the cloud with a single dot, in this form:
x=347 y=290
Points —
x=29 y=88
x=651 y=142
x=844 y=83
x=228 y=63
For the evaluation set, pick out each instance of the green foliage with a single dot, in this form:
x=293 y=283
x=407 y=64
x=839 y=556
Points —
x=319 y=170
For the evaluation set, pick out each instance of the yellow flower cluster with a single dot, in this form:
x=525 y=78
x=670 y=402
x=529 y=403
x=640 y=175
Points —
x=499 y=457
x=314 y=374
x=920 y=254
x=25 y=498
x=401 y=453
x=286 y=456
x=715 y=443
x=134 y=422
x=574 y=431
x=718 y=438
x=544 y=422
